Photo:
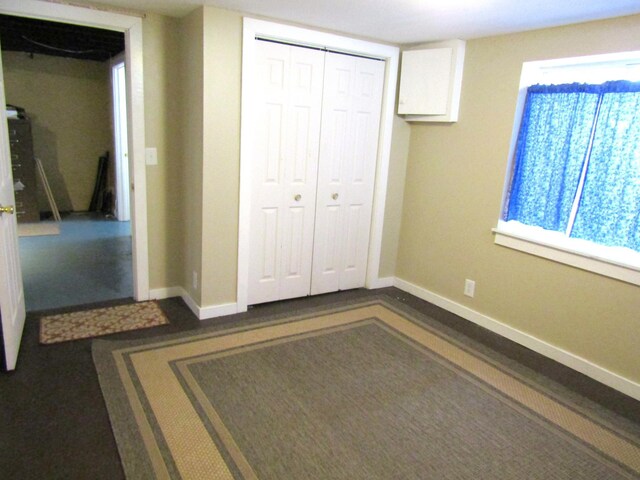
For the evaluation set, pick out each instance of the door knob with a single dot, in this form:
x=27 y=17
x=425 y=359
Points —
x=8 y=209
x=297 y=198
x=334 y=196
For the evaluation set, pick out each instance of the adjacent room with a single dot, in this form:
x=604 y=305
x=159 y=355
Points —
x=70 y=174
x=363 y=240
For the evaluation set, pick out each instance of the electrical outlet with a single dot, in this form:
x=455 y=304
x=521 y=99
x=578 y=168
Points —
x=195 y=279
x=469 y=288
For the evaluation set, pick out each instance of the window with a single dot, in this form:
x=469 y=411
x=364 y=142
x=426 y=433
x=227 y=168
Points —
x=573 y=187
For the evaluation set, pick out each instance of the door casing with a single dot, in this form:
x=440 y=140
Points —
x=131 y=27
x=253 y=28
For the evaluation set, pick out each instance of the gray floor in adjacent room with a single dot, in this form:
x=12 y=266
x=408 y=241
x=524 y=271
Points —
x=90 y=261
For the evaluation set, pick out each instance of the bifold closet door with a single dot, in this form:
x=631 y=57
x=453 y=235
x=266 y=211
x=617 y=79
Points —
x=352 y=101
x=284 y=172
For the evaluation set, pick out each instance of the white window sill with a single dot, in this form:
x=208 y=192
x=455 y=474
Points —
x=569 y=252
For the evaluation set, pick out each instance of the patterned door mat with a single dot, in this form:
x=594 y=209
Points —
x=100 y=321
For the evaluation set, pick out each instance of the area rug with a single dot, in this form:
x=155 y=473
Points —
x=360 y=391
x=100 y=321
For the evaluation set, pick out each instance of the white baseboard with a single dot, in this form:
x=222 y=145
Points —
x=383 y=282
x=167 y=292
x=568 y=359
x=202 y=313
x=213 y=311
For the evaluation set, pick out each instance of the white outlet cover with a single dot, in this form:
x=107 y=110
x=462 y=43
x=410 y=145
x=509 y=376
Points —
x=469 y=288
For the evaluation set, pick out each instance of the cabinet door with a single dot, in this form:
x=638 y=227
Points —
x=424 y=82
x=284 y=174
x=351 y=107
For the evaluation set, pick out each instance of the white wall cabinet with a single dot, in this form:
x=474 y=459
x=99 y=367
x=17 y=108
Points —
x=431 y=81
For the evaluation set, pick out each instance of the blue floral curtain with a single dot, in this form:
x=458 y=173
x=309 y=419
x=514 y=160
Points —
x=576 y=131
x=609 y=208
x=550 y=153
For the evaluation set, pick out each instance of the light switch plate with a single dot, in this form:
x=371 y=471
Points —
x=151 y=155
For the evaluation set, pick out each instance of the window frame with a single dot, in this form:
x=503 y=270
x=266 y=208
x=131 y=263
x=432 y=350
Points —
x=535 y=241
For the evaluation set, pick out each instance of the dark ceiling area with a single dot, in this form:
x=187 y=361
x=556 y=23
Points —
x=20 y=34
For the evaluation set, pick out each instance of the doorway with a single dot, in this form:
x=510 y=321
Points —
x=313 y=174
x=131 y=27
x=11 y=288
x=69 y=94
x=253 y=29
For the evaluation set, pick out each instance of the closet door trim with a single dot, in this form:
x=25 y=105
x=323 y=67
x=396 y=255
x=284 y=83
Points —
x=262 y=29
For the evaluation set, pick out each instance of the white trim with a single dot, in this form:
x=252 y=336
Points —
x=303 y=36
x=137 y=164
x=119 y=125
x=213 y=311
x=584 y=261
x=191 y=303
x=166 y=292
x=57 y=12
x=202 y=313
x=564 y=357
x=383 y=282
x=132 y=29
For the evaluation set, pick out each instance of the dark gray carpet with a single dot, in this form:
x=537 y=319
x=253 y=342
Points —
x=55 y=424
x=362 y=404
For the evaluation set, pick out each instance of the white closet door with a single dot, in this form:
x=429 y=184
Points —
x=348 y=152
x=284 y=173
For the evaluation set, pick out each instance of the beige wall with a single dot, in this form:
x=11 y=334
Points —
x=164 y=181
x=395 y=192
x=189 y=122
x=221 y=159
x=69 y=103
x=454 y=185
x=192 y=115
x=210 y=46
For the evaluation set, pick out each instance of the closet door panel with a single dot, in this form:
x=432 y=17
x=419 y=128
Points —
x=360 y=180
x=269 y=253
x=300 y=170
x=266 y=222
x=327 y=249
x=336 y=149
x=348 y=153
x=284 y=170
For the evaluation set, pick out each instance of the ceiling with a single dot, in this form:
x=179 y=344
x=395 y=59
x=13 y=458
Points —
x=409 y=21
x=59 y=39
x=393 y=21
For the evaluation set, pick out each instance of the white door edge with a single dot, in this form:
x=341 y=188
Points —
x=131 y=26
x=120 y=138
x=12 y=306
x=251 y=29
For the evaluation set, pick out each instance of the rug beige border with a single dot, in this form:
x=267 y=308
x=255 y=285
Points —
x=152 y=385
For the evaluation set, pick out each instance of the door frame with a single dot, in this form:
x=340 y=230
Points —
x=253 y=28
x=131 y=26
